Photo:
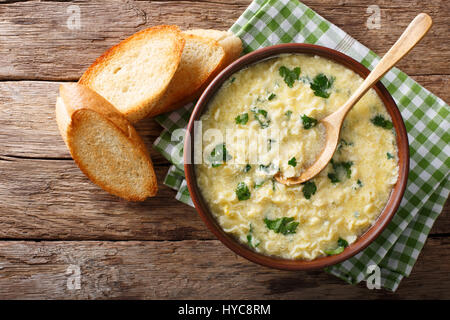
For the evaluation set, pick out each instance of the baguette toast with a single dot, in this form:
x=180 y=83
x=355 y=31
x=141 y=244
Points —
x=104 y=144
x=134 y=74
x=229 y=42
x=205 y=54
x=201 y=60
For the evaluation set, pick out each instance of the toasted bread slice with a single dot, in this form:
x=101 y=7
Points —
x=203 y=58
x=200 y=61
x=104 y=144
x=134 y=74
x=229 y=42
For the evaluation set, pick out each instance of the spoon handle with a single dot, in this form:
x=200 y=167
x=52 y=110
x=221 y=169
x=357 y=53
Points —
x=410 y=37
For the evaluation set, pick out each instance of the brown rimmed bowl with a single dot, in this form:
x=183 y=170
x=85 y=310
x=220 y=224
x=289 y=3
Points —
x=385 y=216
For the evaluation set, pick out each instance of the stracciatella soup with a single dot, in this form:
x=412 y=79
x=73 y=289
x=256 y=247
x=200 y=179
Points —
x=266 y=119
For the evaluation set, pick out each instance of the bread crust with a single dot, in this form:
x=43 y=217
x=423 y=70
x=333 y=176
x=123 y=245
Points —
x=232 y=49
x=78 y=99
x=142 y=109
x=229 y=42
x=174 y=100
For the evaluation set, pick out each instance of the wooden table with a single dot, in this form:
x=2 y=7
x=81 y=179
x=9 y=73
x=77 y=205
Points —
x=54 y=222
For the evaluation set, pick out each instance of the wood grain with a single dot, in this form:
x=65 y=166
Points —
x=45 y=196
x=28 y=127
x=36 y=43
x=188 y=269
x=52 y=199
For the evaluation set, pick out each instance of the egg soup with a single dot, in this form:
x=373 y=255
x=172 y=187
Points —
x=266 y=119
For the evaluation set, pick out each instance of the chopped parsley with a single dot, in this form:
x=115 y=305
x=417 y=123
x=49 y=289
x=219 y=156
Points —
x=242 y=118
x=343 y=143
x=342 y=244
x=271 y=96
x=359 y=183
x=270 y=169
x=261 y=116
x=309 y=189
x=247 y=168
x=321 y=85
x=289 y=76
x=269 y=143
x=251 y=241
x=283 y=225
x=293 y=162
x=345 y=165
x=288 y=114
x=232 y=80
x=333 y=177
x=219 y=155
x=380 y=121
x=389 y=155
x=258 y=184
x=273 y=184
x=308 y=122
x=242 y=191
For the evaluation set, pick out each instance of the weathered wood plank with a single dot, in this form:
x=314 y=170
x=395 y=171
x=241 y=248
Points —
x=36 y=43
x=188 y=269
x=49 y=199
x=52 y=199
x=28 y=127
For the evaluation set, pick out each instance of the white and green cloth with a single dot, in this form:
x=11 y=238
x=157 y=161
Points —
x=269 y=22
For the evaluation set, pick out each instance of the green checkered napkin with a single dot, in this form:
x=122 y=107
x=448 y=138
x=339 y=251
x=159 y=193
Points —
x=269 y=22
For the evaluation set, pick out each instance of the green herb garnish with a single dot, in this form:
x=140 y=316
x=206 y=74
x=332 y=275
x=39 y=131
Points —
x=269 y=143
x=344 y=165
x=269 y=169
x=359 y=183
x=271 y=96
x=309 y=189
x=293 y=162
x=347 y=167
x=288 y=114
x=250 y=239
x=308 y=122
x=247 y=168
x=342 y=244
x=219 y=155
x=242 y=118
x=289 y=76
x=333 y=177
x=232 y=80
x=258 y=185
x=242 y=191
x=261 y=116
x=389 y=155
x=321 y=85
x=283 y=225
x=343 y=143
x=380 y=121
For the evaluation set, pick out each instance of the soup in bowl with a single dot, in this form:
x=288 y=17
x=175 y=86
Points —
x=262 y=116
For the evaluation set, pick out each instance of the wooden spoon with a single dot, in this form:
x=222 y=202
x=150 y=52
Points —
x=333 y=123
